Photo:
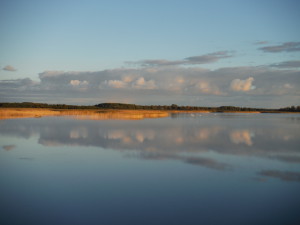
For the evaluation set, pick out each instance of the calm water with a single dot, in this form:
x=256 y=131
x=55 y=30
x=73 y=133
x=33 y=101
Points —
x=185 y=169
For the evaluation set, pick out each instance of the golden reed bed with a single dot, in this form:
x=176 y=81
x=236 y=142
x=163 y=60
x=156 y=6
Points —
x=95 y=114
x=12 y=113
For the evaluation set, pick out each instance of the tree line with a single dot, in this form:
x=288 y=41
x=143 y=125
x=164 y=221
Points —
x=43 y=105
x=174 y=107
x=291 y=109
x=145 y=107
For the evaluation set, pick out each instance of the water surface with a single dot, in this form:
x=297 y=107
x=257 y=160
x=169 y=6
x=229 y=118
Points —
x=184 y=169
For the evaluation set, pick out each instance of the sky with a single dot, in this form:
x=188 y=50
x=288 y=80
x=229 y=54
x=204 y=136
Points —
x=191 y=52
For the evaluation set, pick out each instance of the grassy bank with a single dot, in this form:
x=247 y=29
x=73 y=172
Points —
x=11 y=113
x=102 y=114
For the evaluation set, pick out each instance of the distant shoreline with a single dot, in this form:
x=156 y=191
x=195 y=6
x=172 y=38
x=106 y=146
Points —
x=165 y=108
x=102 y=114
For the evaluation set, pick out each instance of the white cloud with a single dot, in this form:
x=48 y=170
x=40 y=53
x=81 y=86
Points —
x=207 y=88
x=128 y=82
x=179 y=80
x=78 y=82
x=75 y=82
x=116 y=84
x=127 y=78
x=287 y=85
x=79 y=85
x=141 y=83
x=242 y=85
x=177 y=85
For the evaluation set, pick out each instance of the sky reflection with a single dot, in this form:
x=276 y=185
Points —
x=180 y=170
x=187 y=138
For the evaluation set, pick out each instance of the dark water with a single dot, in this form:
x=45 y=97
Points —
x=185 y=169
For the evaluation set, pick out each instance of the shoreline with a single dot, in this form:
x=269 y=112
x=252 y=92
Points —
x=102 y=114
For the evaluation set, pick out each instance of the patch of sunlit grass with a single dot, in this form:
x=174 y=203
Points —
x=11 y=113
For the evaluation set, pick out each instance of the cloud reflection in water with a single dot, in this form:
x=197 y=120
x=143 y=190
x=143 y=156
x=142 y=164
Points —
x=185 y=139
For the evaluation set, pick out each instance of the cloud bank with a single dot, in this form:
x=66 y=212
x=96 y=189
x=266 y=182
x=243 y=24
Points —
x=240 y=86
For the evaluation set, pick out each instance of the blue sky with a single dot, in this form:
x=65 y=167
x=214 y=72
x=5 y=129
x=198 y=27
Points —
x=125 y=39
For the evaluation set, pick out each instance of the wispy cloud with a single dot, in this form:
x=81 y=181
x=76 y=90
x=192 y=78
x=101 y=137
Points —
x=287 y=64
x=261 y=42
x=208 y=58
x=157 y=62
x=9 y=68
x=8 y=147
x=284 y=47
x=192 y=60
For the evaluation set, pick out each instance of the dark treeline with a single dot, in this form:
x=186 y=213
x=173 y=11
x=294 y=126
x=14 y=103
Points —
x=291 y=109
x=43 y=106
x=145 y=107
x=174 y=107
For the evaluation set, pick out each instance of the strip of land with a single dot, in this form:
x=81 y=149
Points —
x=91 y=114
x=118 y=110
x=94 y=114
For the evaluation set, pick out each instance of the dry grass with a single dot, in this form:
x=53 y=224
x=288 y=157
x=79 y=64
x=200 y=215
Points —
x=11 y=113
x=96 y=114
x=114 y=114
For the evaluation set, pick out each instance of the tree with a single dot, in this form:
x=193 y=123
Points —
x=174 y=106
